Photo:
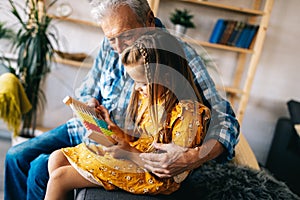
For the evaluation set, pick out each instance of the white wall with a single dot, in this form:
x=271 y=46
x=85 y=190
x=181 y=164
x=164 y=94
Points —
x=275 y=82
x=277 y=77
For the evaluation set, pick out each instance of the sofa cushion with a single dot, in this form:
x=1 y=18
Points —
x=211 y=181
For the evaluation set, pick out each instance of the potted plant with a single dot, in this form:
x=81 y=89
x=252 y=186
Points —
x=34 y=47
x=6 y=33
x=182 y=19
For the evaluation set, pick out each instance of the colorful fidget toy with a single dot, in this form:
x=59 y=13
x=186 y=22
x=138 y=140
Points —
x=88 y=116
x=103 y=126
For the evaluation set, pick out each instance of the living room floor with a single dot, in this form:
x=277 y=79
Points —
x=5 y=143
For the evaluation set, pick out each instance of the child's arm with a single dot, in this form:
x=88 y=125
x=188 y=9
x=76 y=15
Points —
x=124 y=151
x=119 y=134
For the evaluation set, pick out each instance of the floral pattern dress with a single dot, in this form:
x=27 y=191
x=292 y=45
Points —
x=187 y=124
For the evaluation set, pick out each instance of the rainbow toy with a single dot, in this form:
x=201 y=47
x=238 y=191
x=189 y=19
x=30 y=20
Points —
x=97 y=128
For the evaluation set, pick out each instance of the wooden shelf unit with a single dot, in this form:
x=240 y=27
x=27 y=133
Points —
x=239 y=92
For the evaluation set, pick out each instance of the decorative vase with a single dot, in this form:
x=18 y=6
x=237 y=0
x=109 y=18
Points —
x=19 y=139
x=180 y=30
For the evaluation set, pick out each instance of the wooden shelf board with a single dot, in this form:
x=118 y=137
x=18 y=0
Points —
x=219 y=46
x=78 y=21
x=73 y=63
x=231 y=90
x=226 y=7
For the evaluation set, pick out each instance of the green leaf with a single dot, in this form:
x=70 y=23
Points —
x=182 y=17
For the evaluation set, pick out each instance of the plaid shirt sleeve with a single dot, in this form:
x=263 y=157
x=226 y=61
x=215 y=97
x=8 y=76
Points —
x=224 y=126
x=90 y=85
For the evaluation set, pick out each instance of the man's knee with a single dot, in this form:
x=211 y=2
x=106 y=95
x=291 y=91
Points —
x=38 y=173
x=14 y=156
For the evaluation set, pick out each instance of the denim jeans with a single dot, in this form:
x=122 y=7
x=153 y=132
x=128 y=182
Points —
x=26 y=165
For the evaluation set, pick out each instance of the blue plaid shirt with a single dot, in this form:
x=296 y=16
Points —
x=108 y=82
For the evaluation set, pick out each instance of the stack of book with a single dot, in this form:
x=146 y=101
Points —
x=233 y=33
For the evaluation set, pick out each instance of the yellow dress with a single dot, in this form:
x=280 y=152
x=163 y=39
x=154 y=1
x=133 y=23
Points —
x=187 y=126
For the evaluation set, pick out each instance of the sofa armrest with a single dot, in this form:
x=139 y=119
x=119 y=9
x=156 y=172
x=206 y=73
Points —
x=284 y=155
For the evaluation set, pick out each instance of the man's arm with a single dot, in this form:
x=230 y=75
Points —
x=177 y=159
x=224 y=127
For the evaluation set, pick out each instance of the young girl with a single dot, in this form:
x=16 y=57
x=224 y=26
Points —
x=165 y=107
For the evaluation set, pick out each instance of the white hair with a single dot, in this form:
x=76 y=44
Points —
x=102 y=8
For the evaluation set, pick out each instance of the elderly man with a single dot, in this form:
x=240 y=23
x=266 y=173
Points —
x=122 y=22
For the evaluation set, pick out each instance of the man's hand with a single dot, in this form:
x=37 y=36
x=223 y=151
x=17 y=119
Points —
x=169 y=162
x=175 y=159
x=93 y=103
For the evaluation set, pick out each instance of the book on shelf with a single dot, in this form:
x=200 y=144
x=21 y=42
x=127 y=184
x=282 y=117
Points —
x=243 y=37
x=230 y=25
x=252 y=34
x=247 y=35
x=218 y=31
x=236 y=33
x=233 y=33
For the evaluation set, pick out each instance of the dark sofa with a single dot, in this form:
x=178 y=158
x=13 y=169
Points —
x=284 y=155
x=212 y=181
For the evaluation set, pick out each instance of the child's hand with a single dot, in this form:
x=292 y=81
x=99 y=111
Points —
x=120 y=151
x=124 y=151
x=119 y=135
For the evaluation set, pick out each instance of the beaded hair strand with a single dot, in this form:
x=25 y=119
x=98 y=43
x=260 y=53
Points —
x=154 y=107
x=143 y=51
